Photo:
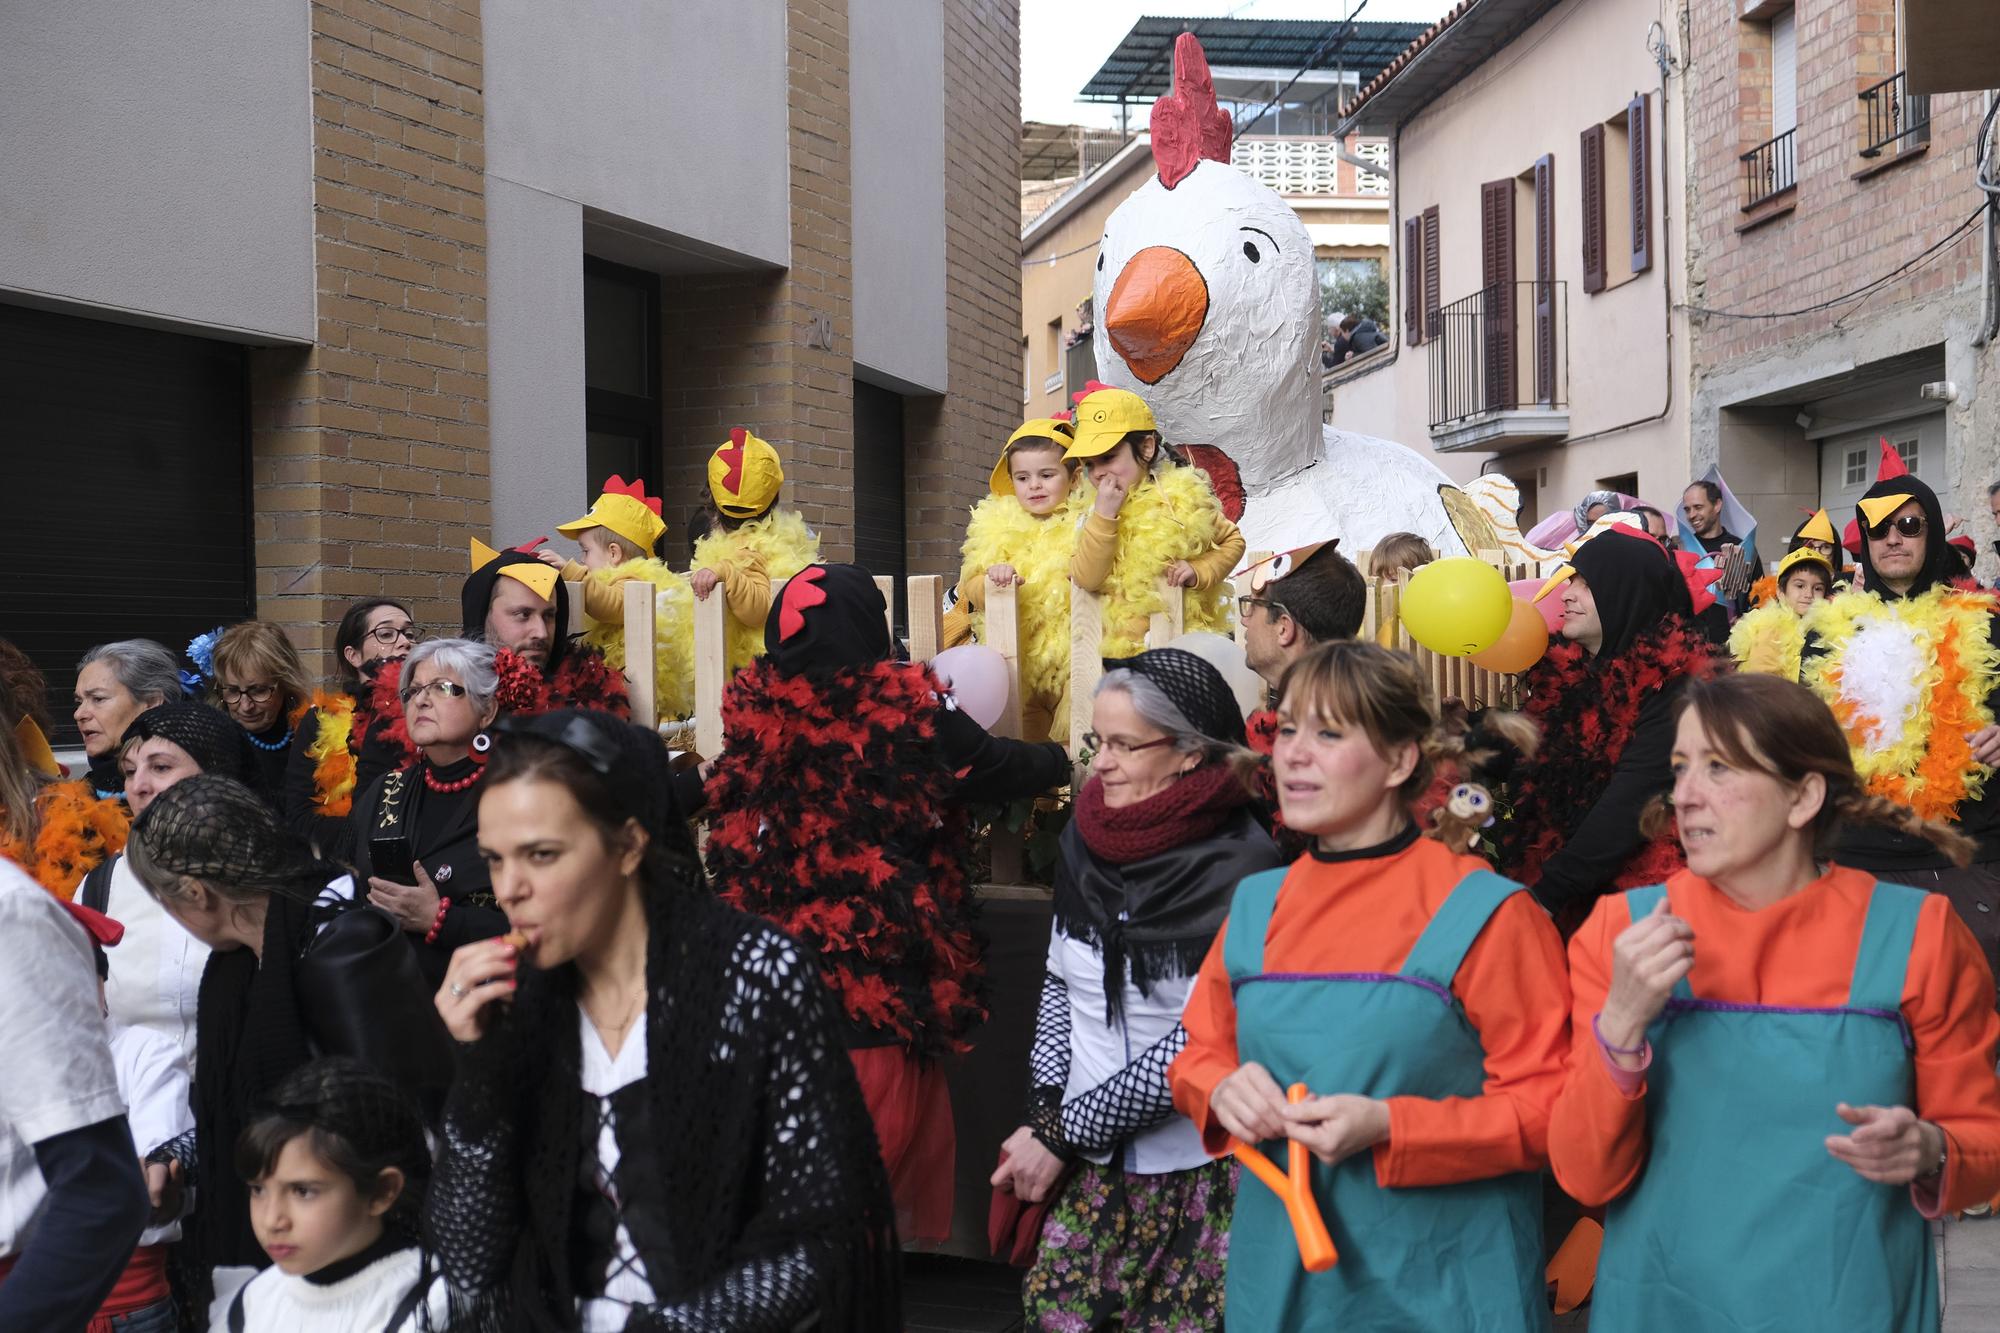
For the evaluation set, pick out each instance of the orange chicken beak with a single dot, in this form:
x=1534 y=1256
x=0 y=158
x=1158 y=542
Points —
x=1157 y=309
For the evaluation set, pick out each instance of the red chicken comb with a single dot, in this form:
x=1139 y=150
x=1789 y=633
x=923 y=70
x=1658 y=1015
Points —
x=1187 y=123
x=1892 y=464
x=732 y=458
x=1064 y=415
x=1090 y=387
x=636 y=488
x=529 y=548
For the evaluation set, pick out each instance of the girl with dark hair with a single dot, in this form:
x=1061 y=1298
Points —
x=1417 y=996
x=654 y=1124
x=335 y=1164
x=1767 y=1029
x=331 y=757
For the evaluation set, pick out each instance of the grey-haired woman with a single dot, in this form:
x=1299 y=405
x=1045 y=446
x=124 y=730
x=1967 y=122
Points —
x=115 y=682
x=1138 y=1237
x=416 y=829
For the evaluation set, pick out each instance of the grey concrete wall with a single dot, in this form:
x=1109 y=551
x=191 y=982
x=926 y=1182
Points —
x=156 y=163
x=534 y=261
x=669 y=114
x=896 y=100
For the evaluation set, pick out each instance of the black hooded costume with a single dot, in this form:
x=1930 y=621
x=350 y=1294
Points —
x=475 y=599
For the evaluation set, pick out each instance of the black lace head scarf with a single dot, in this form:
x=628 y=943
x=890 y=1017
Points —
x=1940 y=564
x=1635 y=584
x=475 y=599
x=719 y=1070
x=211 y=739
x=250 y=1031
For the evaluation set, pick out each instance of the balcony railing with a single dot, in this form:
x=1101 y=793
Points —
x=1502 y=349
x=1311 y=166
x=1895 y=116
x=1771 y=168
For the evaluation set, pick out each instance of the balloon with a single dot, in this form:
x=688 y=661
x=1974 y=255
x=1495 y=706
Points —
x=1550 y=607
x=1457 y=606
x=1521 y=646
x=976 y=677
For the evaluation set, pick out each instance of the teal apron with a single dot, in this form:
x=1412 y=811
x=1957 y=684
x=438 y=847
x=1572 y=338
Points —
x=1740 y=1220
x=1461 y=1258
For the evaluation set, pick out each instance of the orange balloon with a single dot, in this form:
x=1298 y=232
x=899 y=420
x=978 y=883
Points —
x=1521 y=644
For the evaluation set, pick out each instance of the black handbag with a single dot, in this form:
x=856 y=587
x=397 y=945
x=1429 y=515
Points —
x=365 y=996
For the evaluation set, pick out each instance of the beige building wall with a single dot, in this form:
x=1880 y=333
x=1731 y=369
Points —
x=1578 y=65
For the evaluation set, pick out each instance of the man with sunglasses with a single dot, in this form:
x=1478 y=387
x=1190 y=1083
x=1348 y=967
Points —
x=1906 y=664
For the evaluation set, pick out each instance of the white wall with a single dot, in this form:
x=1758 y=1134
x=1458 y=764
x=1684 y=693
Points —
x=672 y=115
x=534 y=264
x=896 y=102
x=156 y=162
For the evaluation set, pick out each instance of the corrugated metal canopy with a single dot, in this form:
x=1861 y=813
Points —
x=1142 y=68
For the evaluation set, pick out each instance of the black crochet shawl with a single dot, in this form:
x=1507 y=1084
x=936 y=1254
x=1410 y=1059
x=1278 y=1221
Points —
x=756 y=1127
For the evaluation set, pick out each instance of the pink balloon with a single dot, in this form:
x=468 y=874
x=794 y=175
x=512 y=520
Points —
x=1551 y=606
x=976 y=677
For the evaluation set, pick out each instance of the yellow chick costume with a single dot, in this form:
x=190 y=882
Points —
x=1172 y=514
x=1769 y=638
x=629 y=514
x=1003 y=532
x=744 y=475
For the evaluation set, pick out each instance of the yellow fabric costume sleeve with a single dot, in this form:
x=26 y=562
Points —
x=1215 y=566
x=779 y=545
x=957 y=629
x=1172 y=515
x=1096 y=550
x=603 y=599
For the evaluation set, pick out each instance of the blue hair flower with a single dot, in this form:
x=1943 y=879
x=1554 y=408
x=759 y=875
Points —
x=201 y=651
x=191 y=684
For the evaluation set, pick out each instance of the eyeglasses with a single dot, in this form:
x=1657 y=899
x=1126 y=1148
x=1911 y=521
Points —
x=386 y=635
x=1093 y=741
x=1271 y=608
x=1910 y=525
x=437 y=689
x=256 y=694
x=1815 y=544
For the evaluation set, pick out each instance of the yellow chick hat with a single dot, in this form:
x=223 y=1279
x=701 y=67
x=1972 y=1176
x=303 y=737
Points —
x=744 y=475
x=1052 y=430
x=1878 y=508
x=35 y=748
x=1818 y=528
x=1805 y=555
x=625 y=511
x=1105 y=416
x=537 y=577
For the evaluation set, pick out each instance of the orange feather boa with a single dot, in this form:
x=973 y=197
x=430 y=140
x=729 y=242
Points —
x=75 y=832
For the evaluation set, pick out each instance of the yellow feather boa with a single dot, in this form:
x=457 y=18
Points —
x=1003 y=532
x=1908 y=682
x=673 y=634
x=1768 y=640
x=1173 y=516
x=787 y=545
x=332 y=754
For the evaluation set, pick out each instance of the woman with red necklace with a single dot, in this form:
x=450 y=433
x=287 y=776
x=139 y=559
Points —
x=416 y=829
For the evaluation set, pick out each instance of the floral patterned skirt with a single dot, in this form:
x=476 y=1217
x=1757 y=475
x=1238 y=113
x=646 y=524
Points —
x=1125 y=1251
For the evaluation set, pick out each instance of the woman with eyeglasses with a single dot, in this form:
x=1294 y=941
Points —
x=416 y=829
x=1162 y=834
x=332 y=756
x=261 y=683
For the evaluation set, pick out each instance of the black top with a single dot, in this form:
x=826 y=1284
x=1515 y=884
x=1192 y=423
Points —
x=331 y=835
x=443 y=831
x=273 y=751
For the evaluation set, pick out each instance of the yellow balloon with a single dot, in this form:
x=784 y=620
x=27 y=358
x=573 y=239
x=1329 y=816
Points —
x=1457 y=606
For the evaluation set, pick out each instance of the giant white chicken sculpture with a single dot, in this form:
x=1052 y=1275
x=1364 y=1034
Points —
x=1209 y=310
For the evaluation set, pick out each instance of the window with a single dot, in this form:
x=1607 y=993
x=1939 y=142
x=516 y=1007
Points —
x=1890 y=119
x=1616 y=196
x=621 y=374
x=1907 y=450
x=879 y=477
x=1854 y=468
x=1052 y=355
x=1769 y=104
x=1027 y=372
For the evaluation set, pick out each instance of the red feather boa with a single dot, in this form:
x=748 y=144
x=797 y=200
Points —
x=831 y=814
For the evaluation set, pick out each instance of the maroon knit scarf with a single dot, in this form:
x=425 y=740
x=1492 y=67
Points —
x=1190 y=810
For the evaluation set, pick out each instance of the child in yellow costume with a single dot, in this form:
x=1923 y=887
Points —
x=1152 y=518
x=1769 y=638
x=1023 y=534
x=619 y=537
x=750 y=544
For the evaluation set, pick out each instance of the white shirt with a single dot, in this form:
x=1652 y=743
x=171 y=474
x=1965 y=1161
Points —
x=601 y=1076
x=1098 y=1050
x=153 y=1078
x=156 y=969
x=56 y=1071
x=276 y=1302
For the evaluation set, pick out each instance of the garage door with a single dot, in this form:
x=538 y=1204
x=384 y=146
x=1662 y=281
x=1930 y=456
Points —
x=126 y=503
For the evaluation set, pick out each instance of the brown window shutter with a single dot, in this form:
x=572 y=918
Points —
x=1433 y=299
x=1639 y=137
x=1592 y=153
x=1496 y=277
x=1413 y=281
x=1545 y=279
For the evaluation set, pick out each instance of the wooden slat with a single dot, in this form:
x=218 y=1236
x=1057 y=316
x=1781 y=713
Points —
x=711 y=671
x=926 y=594
x=575 y=590
x=640 y=677
x=1167 y=626
x=1086 y=665
x=1003 y=636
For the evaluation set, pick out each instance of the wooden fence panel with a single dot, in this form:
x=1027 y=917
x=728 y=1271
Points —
x=640 y=677
x=926 y=603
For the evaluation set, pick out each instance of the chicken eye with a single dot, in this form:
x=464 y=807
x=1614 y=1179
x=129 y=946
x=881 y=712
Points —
x=1250 y=252
x=1100 y=261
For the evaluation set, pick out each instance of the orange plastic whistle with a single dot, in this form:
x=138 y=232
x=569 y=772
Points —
x=1316 y=1250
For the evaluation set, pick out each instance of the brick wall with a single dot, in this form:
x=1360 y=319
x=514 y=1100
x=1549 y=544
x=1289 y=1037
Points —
x=369 y=449
x=952 y=442
x=1840 y=232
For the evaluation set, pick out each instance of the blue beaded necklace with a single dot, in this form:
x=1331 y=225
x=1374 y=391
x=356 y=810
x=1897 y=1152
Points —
x=277 y=744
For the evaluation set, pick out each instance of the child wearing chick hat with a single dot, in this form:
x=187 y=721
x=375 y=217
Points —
x=1023 y=534
x=751 y=542
x=1152 y=519
x=1769 y=637
x=620 y=536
